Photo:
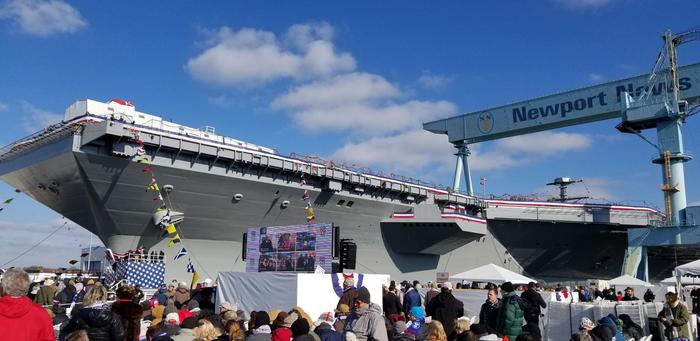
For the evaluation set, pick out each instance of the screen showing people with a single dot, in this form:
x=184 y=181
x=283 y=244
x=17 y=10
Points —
x=298 y=248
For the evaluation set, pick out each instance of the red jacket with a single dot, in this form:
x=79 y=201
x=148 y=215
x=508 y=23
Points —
x=21 y=320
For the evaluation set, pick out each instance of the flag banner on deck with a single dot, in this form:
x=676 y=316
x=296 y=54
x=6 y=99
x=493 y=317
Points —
x=174 y=241
x=158 y=197
x=182 y=252
x=140 y=151
x=148 y=170
x=190 y=267
x=171 y=230
x=143 y=159
x=7 y=201
x=195 y=279
x=153 y=187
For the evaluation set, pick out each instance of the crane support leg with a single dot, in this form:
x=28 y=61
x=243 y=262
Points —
x=672 y=159
x=463 y=165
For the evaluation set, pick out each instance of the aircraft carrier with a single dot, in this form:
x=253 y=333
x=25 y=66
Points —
x=87 y=169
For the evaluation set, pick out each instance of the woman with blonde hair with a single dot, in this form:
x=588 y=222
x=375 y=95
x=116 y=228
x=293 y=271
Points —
x=463 y=324
x=436 y=332
x=235 y=331
x=96 y=317
x=206 y=331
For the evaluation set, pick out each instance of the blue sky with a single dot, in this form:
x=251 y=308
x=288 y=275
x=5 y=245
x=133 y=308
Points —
x=348 y=81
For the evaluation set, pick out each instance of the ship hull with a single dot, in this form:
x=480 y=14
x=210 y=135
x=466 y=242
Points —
x=107 y=195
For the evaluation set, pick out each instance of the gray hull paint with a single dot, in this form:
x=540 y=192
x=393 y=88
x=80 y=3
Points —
x=106 y=195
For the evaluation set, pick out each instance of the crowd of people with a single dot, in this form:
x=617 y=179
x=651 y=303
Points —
x=75 y=310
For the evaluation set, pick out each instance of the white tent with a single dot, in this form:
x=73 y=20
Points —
x=684 y=280
x=492 y=273
x=692 y=268
x=628 y=281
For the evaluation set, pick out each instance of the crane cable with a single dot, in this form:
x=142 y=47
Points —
x=35 y=245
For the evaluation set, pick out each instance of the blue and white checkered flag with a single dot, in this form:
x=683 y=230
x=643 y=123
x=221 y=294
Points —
x=190 y=267
x=182 y=252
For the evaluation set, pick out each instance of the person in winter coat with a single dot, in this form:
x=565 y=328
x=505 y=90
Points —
x=365 y=321
x=432 y=292
x=416 y=325
x=283 y=329
x=399 y=332
x=446 y=309
x=20 y=319
x=129 y=313
x=300 y=330
x=585 y=328
x=410 y=299
x=488 y=315
x=261 y=327
x=391 y=305
x=326 y=333
x=182 y=294
x=46 y=294
x=675 y=317
x=349 y=293
x=510 y=316
x=606 y=329
x=96 y=318
x=535 y=303
x=630 y=330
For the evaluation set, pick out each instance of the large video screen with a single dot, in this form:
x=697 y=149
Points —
x=292 y=248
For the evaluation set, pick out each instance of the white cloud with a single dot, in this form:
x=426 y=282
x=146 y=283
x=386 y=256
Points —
x=365 y=104
x=545 y=143
x=250 y=57
x=595 y=77
x=35 y=119
x=3 y=106
x=43 y=17
x=583 y=4
x=431 y=80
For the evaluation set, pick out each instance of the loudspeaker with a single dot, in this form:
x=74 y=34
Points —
x=348 y=254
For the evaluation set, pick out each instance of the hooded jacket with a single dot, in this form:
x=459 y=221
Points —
x=45 y=295
x=446 y=309
x=678 y=319
x=326 y=333
x=99 y=321
x=606 y=330
x=411 y=299
x=510 y=316
x=366 y=324
x=22 y=320
x=488 y=315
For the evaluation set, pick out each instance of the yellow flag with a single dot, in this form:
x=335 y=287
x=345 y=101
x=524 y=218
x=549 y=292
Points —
x=154 y=188
x=195 y=279
x=142 y=159
x=172 y=230
x=174 y=241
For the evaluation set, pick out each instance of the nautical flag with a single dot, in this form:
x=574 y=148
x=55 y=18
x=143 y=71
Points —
x=142 y=159
x=140 y=151
x=161 y=208
x=195 y=279
x=139 y=142
x=165 y=220
x=182 y=252
x=310 y=214
x=305 y=196
x=8 y=201
x=153 y=187
x=190 y=267
x=158 y=197
x=174 y=241
x=148 y=170
x=171 y=230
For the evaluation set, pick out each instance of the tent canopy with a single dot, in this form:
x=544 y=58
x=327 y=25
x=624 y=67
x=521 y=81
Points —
x=628 y=281
x=692 y=268
x=494 y=274
x=684 y=280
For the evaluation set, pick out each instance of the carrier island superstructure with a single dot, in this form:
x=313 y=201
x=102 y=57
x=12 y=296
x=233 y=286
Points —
x=86 y=169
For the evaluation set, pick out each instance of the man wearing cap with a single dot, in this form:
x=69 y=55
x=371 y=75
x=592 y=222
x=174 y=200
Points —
x=510 y=316
x=446 y=309
x=365 y=321
x=535 y=303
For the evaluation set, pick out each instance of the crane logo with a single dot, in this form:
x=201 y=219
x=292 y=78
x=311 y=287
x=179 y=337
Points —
x=485 y=122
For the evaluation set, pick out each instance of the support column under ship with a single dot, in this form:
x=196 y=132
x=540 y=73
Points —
x=85 y=169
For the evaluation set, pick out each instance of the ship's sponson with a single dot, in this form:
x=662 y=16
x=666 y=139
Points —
x=126 y=111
